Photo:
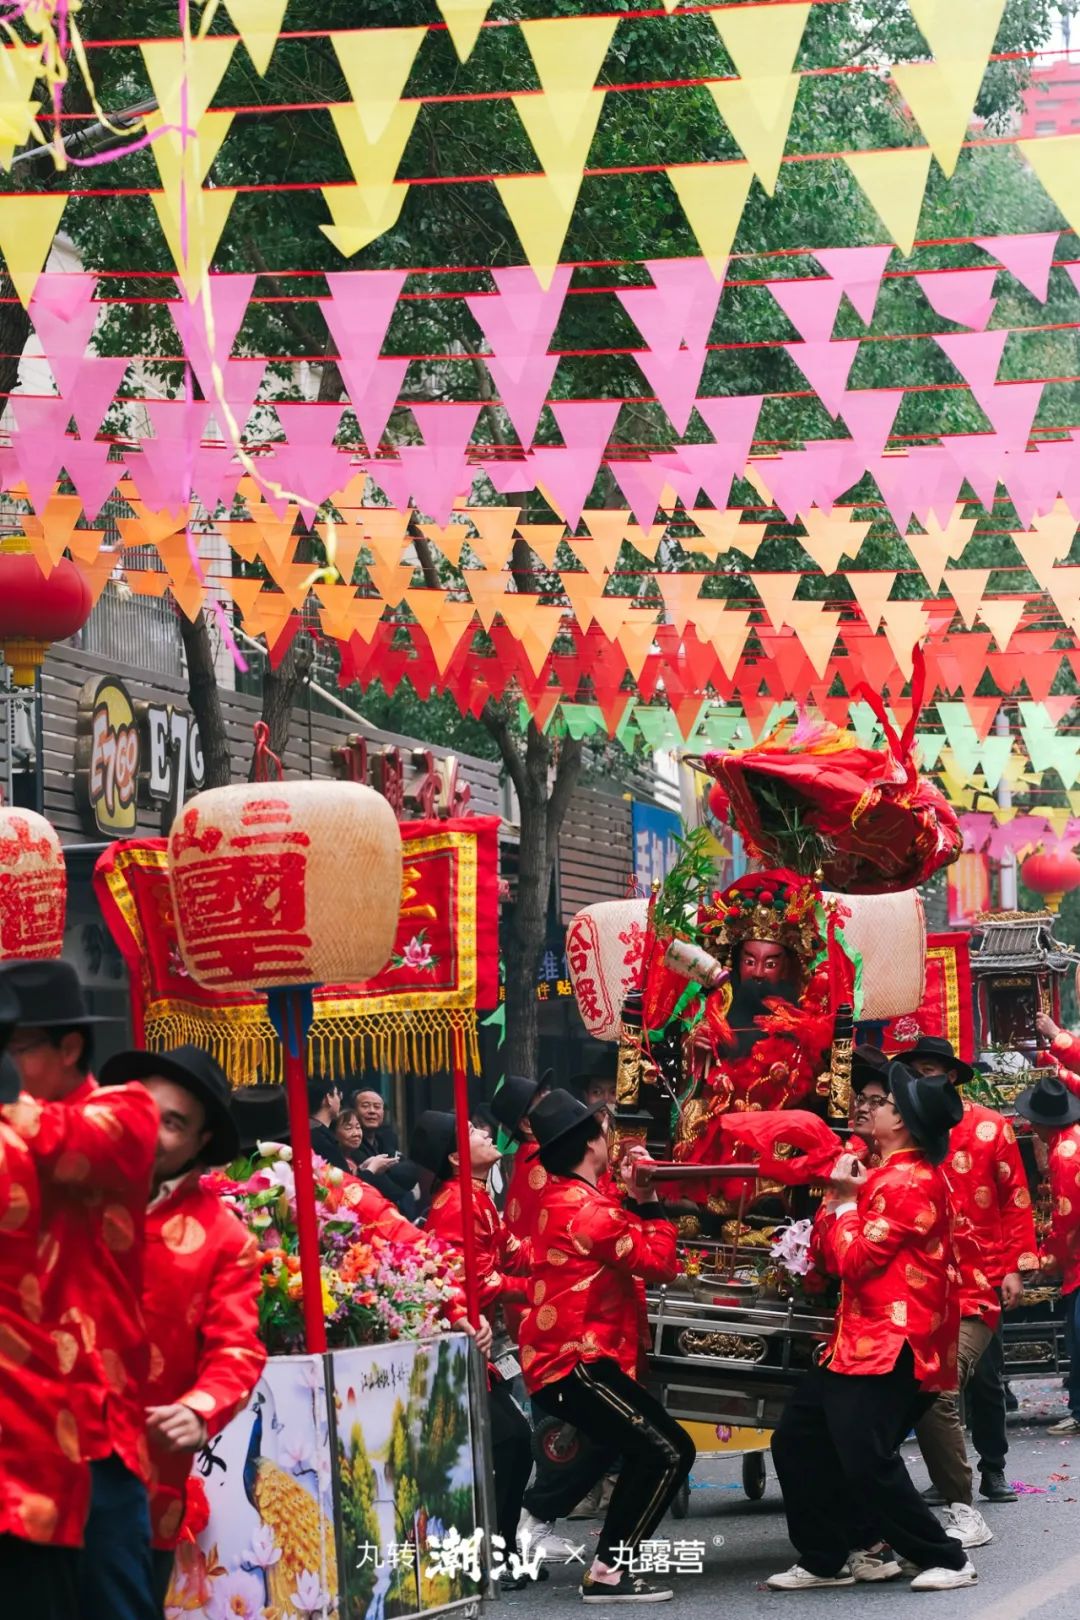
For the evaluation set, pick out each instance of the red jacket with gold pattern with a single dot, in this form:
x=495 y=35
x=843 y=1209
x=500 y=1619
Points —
x=1065 y=1051
x=95 y=1153
x=200 y=1290
x=380 y=1218
x=44 y=1485
x=1062 y=1244
x=528 y=1178
x=500 y=1257
x=895 y=1260
x=994 y=1230
x=591 y=1254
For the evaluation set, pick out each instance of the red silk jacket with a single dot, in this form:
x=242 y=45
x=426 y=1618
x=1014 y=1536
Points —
x=591 y=1254
x=95 y=1153
x=44 y=1485
x=895 y=1260
x=528 y=1178
x=200 y=1287
x=379 y=1216
x=1062 y=1244
x=500 y=1257
x=995 y=1229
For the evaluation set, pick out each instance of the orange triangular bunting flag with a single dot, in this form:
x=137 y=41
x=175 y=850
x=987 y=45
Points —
x=391 y=580
x=494 y=538
x=966 y=587
x=680 y=593
x=777 y=592
x=905 y=626
x=449 y=539
x=610 y=613
x=1001 y=615
x=871 y=591
x=544 y=539
x=487 y=591
x=635 y=639
x=445 y=635
x=427 y=606
x=581 y=592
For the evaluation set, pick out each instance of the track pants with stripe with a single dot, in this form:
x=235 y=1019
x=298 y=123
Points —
x=619 y=1416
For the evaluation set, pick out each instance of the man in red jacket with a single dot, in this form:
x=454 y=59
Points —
x=93 y=1216
x=501 y=1262
x=200 y=1282
x=995 y=1242
x=1054 y=1112
x=893 y=1349
x=44 y=1484
x=581 y=1352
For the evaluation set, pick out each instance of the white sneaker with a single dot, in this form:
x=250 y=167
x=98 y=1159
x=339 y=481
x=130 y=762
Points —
x=797 y=1579
x=534 y=1536
x=967 y=1525
x=873 y=1566
x=944 y=1580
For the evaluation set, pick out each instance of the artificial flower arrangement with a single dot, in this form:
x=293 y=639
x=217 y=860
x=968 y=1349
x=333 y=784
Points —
x=373 y=1290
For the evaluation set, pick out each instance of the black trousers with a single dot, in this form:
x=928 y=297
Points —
x=511 y=1453
x=838 y=1445
x=39 y=1583
x=621 y=1418
x=984 y=1406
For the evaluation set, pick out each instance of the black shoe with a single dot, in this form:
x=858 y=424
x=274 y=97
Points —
x=518 y=1583
x=994 y=1487
x=933 y=1497
x=627 y=1589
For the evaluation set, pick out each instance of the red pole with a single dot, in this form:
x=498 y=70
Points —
x=294 y=1047
x=468 y=1227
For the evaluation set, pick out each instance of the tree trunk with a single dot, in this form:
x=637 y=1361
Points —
x=280 y=689
x=206 y=700
x=542 y=811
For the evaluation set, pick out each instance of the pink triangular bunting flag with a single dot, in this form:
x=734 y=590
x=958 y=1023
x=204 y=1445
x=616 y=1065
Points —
x=869 y=414
x=810 y=305
x=976 y=355
x=859 y=270
x=964 y=296
x=1028 y=258
x=1012 y=408
x=826 y=367
x=91 y=391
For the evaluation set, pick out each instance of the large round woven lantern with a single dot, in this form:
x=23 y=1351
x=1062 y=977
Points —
x=33 y=886
x=36 y=610
x=605 y=951
x=279 y=884
x=1051 y=875
x=887 y=933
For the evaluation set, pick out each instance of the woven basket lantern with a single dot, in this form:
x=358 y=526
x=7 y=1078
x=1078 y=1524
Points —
x=285 y=883
x=33 y=886
x=605 y=950
x=889 y=932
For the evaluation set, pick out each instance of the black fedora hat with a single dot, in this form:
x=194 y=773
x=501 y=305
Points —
x=928 y=1108
x=196 y=1071
x=433 y=1140
x=936 y=1049
x=556 y=1115
x=603 y=1067
x=260 y=1114
x=513 y=1100
x=1050 y=1102
x=868 y=1063
x=48 y=994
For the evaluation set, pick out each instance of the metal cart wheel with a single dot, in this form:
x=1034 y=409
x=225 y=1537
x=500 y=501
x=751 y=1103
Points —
x=753 y=1475
x=555 y=1444
x=680 y=1507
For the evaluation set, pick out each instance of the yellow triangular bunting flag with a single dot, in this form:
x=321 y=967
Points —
x=540 y=214
x=871 y=591
x=894 y=183
x=758 y=113
x=942 y=97
x=376 y=63
x=831 y=535
x=186 y=81
x=258 y=22
x=713 y=196
x=1001 y=615
x=1056 y=161
x=464 y=20
x=762 y=41
x=28 y=222
x=955 y=29
x=207 y=216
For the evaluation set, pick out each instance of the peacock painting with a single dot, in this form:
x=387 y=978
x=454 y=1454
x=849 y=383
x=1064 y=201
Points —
x=302 y=1552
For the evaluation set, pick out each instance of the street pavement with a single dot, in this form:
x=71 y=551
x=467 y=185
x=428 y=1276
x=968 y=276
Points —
x=1030 y=1571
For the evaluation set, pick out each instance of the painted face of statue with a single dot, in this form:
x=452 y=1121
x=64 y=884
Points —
x=763 y=959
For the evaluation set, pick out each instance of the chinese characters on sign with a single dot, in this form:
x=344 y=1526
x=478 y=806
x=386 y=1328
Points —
x=415 y=784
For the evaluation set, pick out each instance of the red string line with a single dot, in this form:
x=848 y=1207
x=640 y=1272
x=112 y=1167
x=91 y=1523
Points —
x=569 y=264
x=604 y=353
x=260 y=109
x=514 y=174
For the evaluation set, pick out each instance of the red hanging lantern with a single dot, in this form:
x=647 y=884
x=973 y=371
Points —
x=1052 y=876
x=36 y=610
